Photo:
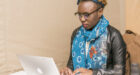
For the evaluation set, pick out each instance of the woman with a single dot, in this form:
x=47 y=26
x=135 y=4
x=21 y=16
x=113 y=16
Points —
x=96 y=47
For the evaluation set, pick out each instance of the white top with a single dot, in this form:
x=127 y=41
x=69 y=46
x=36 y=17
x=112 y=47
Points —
x=87 y=47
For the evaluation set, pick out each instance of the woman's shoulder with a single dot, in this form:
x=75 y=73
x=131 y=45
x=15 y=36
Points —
x=115 y=35
x=75 y=31
x=113 y=31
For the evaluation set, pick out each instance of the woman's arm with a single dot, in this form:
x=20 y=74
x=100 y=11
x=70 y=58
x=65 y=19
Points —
x=70 y=62
x=118 y=48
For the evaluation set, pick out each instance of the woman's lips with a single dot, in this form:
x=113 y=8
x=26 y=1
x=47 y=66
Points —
x=85 y=25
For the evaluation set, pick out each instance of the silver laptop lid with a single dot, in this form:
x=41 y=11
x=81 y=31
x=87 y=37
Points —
x=36 y=65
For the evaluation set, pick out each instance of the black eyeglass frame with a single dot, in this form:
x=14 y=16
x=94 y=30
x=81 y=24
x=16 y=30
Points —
x=86 y=15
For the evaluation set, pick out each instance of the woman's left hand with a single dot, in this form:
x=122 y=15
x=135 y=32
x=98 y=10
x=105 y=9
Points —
x=83 y=71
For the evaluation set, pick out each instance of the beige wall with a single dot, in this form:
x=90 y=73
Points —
x=115 y=13
x=42 y=28
x=133 y=15
x=36 y=27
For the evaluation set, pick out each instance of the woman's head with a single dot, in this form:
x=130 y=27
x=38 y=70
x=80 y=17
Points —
x=90 y=12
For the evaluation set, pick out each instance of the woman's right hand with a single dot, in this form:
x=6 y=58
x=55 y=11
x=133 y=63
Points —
x=66 y=71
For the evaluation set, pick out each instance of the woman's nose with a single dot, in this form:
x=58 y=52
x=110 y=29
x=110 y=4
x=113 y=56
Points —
x=82 y=18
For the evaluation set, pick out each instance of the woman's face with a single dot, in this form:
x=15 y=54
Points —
x=89 y=8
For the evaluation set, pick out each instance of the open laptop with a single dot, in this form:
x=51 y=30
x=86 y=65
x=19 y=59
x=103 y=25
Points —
x=36 y=65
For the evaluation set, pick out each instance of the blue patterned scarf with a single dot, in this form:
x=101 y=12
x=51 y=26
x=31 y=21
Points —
x=96 y=56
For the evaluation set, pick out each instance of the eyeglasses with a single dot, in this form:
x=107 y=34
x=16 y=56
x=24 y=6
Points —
x=86 y=15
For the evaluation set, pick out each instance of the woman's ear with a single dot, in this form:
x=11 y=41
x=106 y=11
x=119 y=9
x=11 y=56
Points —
x=100 y=12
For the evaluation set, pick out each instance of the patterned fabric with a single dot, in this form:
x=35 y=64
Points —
x=96 y=56
x=96 y=1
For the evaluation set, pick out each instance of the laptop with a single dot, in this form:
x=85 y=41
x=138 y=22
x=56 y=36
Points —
x=36 y=65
